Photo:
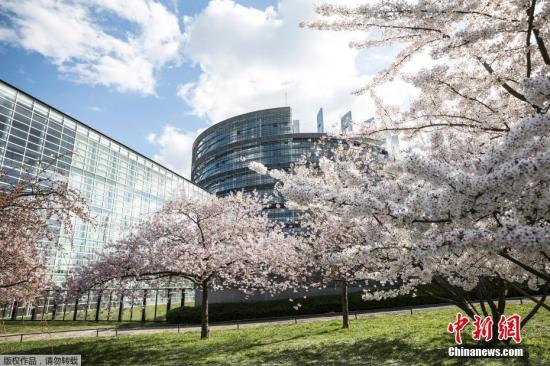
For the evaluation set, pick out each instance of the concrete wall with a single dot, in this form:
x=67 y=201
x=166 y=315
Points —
x=222 y=296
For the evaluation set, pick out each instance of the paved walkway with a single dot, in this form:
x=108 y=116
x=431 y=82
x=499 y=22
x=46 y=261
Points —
x=113 y=332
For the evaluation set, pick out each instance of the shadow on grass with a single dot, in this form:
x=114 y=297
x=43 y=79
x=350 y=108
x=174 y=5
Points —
x=39 y=326
x=165 y=348
x=373 y=352
x=241 y=348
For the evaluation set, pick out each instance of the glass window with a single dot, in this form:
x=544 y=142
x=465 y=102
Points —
x=24 y=100
x=69 y=123
x=33 y=146
x=6 y=105
x=93 y=136
x=40 y=109
x=54 y=128
x=82 y=130
x=55 y=117
x=23 y=111
x=15 y=152
x=54 y=133
x=20 y=125
x=22 y=119
x=16 y=140
x=18 y=133
x=7 y=92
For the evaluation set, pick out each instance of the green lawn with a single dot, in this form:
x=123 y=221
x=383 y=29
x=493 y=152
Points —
x=134 y=314
x=419 y=339
x=27 y=326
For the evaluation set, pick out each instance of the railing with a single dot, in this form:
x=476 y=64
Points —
x=101 y=305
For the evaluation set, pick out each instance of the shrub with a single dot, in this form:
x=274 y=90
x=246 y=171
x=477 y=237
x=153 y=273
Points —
x=220 y=312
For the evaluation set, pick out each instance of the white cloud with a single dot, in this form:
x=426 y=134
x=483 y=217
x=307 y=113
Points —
x=185 y=90
x=7 y=35
x=175 y=148
x=76 y=37
x=248 y=58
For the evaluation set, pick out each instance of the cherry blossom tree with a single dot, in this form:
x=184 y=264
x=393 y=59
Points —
x=433 y=220
x=28 y=206
x=335 y=251
x=461 y=218
x=215 y=243
x=469 y=207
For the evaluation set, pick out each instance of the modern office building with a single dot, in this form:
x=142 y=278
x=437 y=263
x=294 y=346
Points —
x=392 y=145
x=346 y=123
x=391 y=141
x=295 y=126
x=120 y=184
x=320 y=121
x=221 y=154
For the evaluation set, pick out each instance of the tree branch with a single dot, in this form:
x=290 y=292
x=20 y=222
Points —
x=542 y=48
x=505 y=85
x=529 y=269
x=537 y=307
x=473 y=99
x=530 y=297
x=435 y=125
x=531 y=13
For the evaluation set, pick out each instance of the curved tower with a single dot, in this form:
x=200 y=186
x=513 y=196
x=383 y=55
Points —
x=221 y=154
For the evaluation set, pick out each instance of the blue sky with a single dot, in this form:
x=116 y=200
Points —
x=152 y=74
x=127 y=117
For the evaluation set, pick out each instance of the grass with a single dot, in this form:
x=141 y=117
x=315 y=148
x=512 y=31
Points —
x=27 y=326
x=419 y=339
x=135 y=313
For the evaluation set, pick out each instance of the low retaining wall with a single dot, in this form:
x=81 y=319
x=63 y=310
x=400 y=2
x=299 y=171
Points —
x=223 y=296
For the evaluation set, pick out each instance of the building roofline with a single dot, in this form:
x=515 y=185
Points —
x=228 y=120
x=99 y=132
x=262 y=139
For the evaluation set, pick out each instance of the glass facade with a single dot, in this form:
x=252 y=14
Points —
x=221 y=154
x=119 y=184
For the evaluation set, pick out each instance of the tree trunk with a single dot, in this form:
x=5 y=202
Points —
x=345 y=307
x=490 y=289
x=204 y=311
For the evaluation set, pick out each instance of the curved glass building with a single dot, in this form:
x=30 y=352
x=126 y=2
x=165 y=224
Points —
x=221 y=154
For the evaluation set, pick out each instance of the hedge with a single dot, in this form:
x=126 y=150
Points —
x=220 y=312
